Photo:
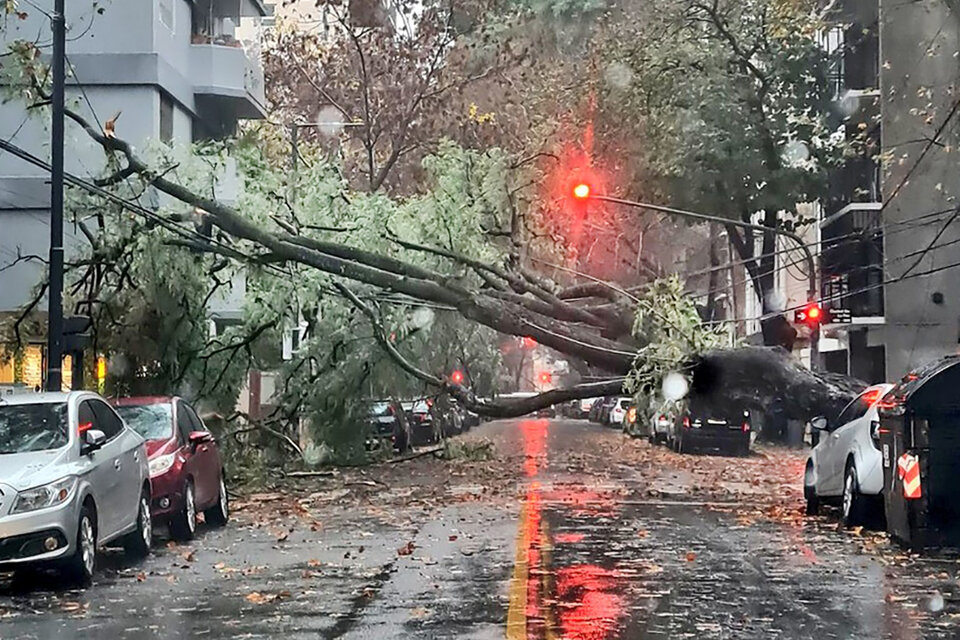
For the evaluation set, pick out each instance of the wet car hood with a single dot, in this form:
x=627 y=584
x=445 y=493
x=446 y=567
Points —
x=32 y=469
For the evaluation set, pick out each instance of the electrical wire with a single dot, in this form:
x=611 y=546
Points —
x=173 y=227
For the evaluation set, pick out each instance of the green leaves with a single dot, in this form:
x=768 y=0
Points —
x=668 y=322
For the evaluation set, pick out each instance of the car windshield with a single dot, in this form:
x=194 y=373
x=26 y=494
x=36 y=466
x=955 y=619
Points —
x=152 y=421
x=33 y=427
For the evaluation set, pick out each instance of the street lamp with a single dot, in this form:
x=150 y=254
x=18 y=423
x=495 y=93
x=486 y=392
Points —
x=582 y=192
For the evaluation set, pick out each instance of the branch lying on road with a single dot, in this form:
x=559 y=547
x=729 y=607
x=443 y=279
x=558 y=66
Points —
x=512 y=409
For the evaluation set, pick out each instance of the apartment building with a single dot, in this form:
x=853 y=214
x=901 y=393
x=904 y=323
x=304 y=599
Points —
x=888 y=230
x=175 y=70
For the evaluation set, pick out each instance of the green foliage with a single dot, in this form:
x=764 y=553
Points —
x=732 y=107
x=469 y=450
x=668 y=322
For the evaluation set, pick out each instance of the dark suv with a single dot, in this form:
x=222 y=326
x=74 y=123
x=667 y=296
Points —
x=706 y=428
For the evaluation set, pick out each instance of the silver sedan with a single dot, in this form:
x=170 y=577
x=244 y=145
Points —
x=73 y=477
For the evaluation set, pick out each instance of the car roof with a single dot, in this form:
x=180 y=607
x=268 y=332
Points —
x=46 y=397
x=141 y=400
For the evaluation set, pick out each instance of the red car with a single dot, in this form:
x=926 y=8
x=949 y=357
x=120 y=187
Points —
x=186 y=473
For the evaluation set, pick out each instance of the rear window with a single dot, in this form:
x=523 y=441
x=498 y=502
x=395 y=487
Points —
x=378 y=409
x=33 y=427
x=152 y=421
x=624 y=404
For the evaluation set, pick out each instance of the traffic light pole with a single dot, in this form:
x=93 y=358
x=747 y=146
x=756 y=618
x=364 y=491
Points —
x=55 y=290
x=812 y=292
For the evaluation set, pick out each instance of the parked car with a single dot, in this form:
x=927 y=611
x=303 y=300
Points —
x=699 y=427
x=608 y=403
x=659 y=427
x=383 y=425
x=73 y=477
x=547 y=412
x=846 y=465
x=422 y=428
x=594 y=413
x=617 y=411
x=186 y=471
x=585 y=406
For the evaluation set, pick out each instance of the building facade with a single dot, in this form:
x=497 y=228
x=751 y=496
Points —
x=889 y=231
x=175 y=71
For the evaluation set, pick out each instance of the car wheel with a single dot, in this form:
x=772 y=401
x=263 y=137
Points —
x=183 y=524
x=852 y=504
x=137 y=542
x=218 y=514
x=80 y=566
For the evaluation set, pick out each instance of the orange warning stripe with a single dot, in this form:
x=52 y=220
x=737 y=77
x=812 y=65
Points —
x=908 y=468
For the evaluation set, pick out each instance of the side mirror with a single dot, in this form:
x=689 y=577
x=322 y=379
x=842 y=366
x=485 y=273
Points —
x=91 y=441
x=199 y=437
x=819 y=423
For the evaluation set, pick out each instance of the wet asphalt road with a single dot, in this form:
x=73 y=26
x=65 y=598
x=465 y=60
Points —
x=574 y=555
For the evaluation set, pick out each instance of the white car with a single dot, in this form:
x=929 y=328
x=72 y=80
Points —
x=846 y=465
x=618 y=411
x=73 y=477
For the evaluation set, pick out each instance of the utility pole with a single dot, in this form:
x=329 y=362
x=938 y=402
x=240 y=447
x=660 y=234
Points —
x=582 y=192
x=55 y=291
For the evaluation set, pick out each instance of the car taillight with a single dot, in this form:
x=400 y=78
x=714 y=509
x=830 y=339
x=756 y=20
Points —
x=746 y=427
x=686 y=421
x=875 y=434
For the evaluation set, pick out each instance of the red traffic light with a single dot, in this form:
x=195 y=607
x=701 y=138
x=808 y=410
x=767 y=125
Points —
x=457 y=377
x=581 y=191
x=546 y=377
x=810 y=315
x=529 y=343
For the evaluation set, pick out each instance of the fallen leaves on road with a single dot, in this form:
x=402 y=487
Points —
x=406 y=549
x=255 y=597
x=691 y=556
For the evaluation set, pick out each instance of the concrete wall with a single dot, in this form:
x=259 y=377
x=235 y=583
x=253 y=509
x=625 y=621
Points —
x=919 y=76
x=27 y=232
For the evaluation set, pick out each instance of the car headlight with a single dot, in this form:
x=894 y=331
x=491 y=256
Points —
x=49 y=495
x=162 y=464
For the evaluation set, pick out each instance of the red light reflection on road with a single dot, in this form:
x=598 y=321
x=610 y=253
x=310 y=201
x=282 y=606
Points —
x=578 y=602
x=589 y=605
x=534 y=446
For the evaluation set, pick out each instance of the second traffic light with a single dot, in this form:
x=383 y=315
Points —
x=812 y=315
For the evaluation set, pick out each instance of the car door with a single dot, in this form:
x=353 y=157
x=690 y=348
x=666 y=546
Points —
x=127 y=464
x=106 y=473
x=206 y=461
x=832 y=455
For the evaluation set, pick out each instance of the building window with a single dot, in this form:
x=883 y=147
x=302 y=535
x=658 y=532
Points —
x=165 y=10
x=166 y=118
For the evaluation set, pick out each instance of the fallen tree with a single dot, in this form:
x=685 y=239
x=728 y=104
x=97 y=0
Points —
x=506 y=297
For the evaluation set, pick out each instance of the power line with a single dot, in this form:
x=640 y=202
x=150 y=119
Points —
x=184 y=232
x=906 y=225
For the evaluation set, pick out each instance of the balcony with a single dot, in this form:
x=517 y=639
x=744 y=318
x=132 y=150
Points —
x=227 y=78
x=851 y=262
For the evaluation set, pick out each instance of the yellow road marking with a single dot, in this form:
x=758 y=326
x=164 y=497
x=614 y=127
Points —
x=517 y=610
x=546 y=555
